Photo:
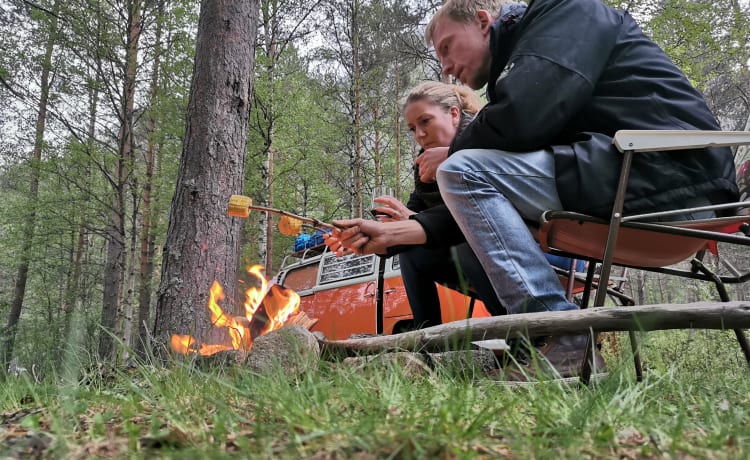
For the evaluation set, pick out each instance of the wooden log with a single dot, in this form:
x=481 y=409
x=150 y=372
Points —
x=458 y=334
x=301 y=319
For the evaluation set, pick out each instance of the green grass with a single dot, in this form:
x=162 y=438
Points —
x=693 y=403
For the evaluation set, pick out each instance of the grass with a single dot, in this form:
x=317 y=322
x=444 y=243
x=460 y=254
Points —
x=693 y=403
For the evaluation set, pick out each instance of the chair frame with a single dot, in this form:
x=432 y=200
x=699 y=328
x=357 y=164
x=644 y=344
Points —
x=629 y=143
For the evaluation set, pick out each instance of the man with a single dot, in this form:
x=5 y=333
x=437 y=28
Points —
x=562 y=77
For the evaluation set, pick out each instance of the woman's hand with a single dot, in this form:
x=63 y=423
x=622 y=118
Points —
x=370 y=237
x=429 y=161
x=392 y=210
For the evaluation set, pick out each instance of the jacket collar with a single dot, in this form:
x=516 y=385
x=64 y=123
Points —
x=502 y=42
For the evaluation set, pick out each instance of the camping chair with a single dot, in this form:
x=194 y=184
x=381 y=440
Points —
x=639 y=242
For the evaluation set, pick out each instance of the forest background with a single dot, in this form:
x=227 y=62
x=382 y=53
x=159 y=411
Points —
x=93 y=102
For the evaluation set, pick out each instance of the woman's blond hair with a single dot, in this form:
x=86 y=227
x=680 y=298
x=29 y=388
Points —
x=445 y=96
x=463 y=11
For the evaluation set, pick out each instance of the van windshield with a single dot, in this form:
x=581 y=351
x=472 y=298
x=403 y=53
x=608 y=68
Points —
x=341 y=268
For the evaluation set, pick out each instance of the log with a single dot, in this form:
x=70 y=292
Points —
x=301 y=319
x=458 y=335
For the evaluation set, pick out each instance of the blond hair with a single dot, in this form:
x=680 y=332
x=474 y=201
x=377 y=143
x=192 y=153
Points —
x=445 y=96
x=463 y=11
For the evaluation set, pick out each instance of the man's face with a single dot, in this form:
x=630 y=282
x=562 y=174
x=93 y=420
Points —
x=464 y=49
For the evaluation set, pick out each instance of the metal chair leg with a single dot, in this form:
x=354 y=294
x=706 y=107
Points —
x=742 y=340
x=588 y=358
x=470 y=312
x=724 y=296
x=636 y=356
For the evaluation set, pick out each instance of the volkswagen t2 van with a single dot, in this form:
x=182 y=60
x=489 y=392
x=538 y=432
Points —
x=360 y=294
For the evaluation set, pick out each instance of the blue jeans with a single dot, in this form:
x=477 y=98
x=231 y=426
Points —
x=490 y=193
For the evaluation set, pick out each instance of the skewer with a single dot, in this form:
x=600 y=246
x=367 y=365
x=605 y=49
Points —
x=289 y=224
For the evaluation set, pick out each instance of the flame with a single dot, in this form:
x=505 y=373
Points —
x=255 y=296
x=266 y=309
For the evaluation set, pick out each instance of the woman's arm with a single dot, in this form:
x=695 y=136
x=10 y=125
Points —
x=370 y=237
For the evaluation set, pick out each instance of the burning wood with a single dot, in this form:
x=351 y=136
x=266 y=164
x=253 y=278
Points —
x=301 y=319
x=266 y=309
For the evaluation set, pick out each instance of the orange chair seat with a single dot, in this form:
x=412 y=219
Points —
x=580 y=234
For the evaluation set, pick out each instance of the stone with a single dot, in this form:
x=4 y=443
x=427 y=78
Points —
x=293 y=349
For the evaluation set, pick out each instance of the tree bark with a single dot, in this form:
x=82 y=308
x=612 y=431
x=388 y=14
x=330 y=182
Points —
x=377 y=155
x=202 y=241
x=146 y=243
x=271 y=18
x=397 y=187
x=356 y=102
x=125 y=318
x=458 y=334
x=74 y=289
x=114 y=267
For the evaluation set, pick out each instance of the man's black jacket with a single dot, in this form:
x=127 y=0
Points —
x=567 y=77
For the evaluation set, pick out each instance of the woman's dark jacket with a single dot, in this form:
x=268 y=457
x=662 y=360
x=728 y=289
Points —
x=425 y=195
x=569 y=75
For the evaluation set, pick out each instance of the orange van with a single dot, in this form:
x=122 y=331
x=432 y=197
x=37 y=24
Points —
x=342 y=293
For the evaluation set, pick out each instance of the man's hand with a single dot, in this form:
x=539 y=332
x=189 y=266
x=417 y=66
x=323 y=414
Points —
x=359 y=236
x=429 y=161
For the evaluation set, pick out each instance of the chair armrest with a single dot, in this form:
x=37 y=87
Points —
x=656 y=140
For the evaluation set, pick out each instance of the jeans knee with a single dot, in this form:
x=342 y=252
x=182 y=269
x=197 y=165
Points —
x=451 y=170
x=457 y=162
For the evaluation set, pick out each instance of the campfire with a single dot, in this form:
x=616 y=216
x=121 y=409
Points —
x=266 y=309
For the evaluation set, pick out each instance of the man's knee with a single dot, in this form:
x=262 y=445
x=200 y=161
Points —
x=453 y=168
x=461 y=161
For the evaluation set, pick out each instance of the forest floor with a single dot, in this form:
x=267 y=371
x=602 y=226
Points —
x=693 y=403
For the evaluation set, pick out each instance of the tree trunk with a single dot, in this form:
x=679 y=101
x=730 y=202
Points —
x=72 y=295
x=125 y=319
x=397 y=187
x=270 y=21
x=146 y=259
x=114 y=267
x=267 y=255
x=356 y=101
x=457 y=335
x=202 y=241
x=640 y=282
x=377 y=155
x=743 y=151
x=19 y=292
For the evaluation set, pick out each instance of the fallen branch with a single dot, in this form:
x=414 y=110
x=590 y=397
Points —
x=456 y=335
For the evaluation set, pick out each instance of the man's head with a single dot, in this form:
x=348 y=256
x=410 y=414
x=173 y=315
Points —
x=460 y=33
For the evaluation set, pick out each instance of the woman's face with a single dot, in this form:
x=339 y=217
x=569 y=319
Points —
x=430 y=124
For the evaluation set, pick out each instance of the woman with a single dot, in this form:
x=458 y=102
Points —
x=434 y=113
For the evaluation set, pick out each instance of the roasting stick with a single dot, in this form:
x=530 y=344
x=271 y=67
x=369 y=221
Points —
x=289 y=224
